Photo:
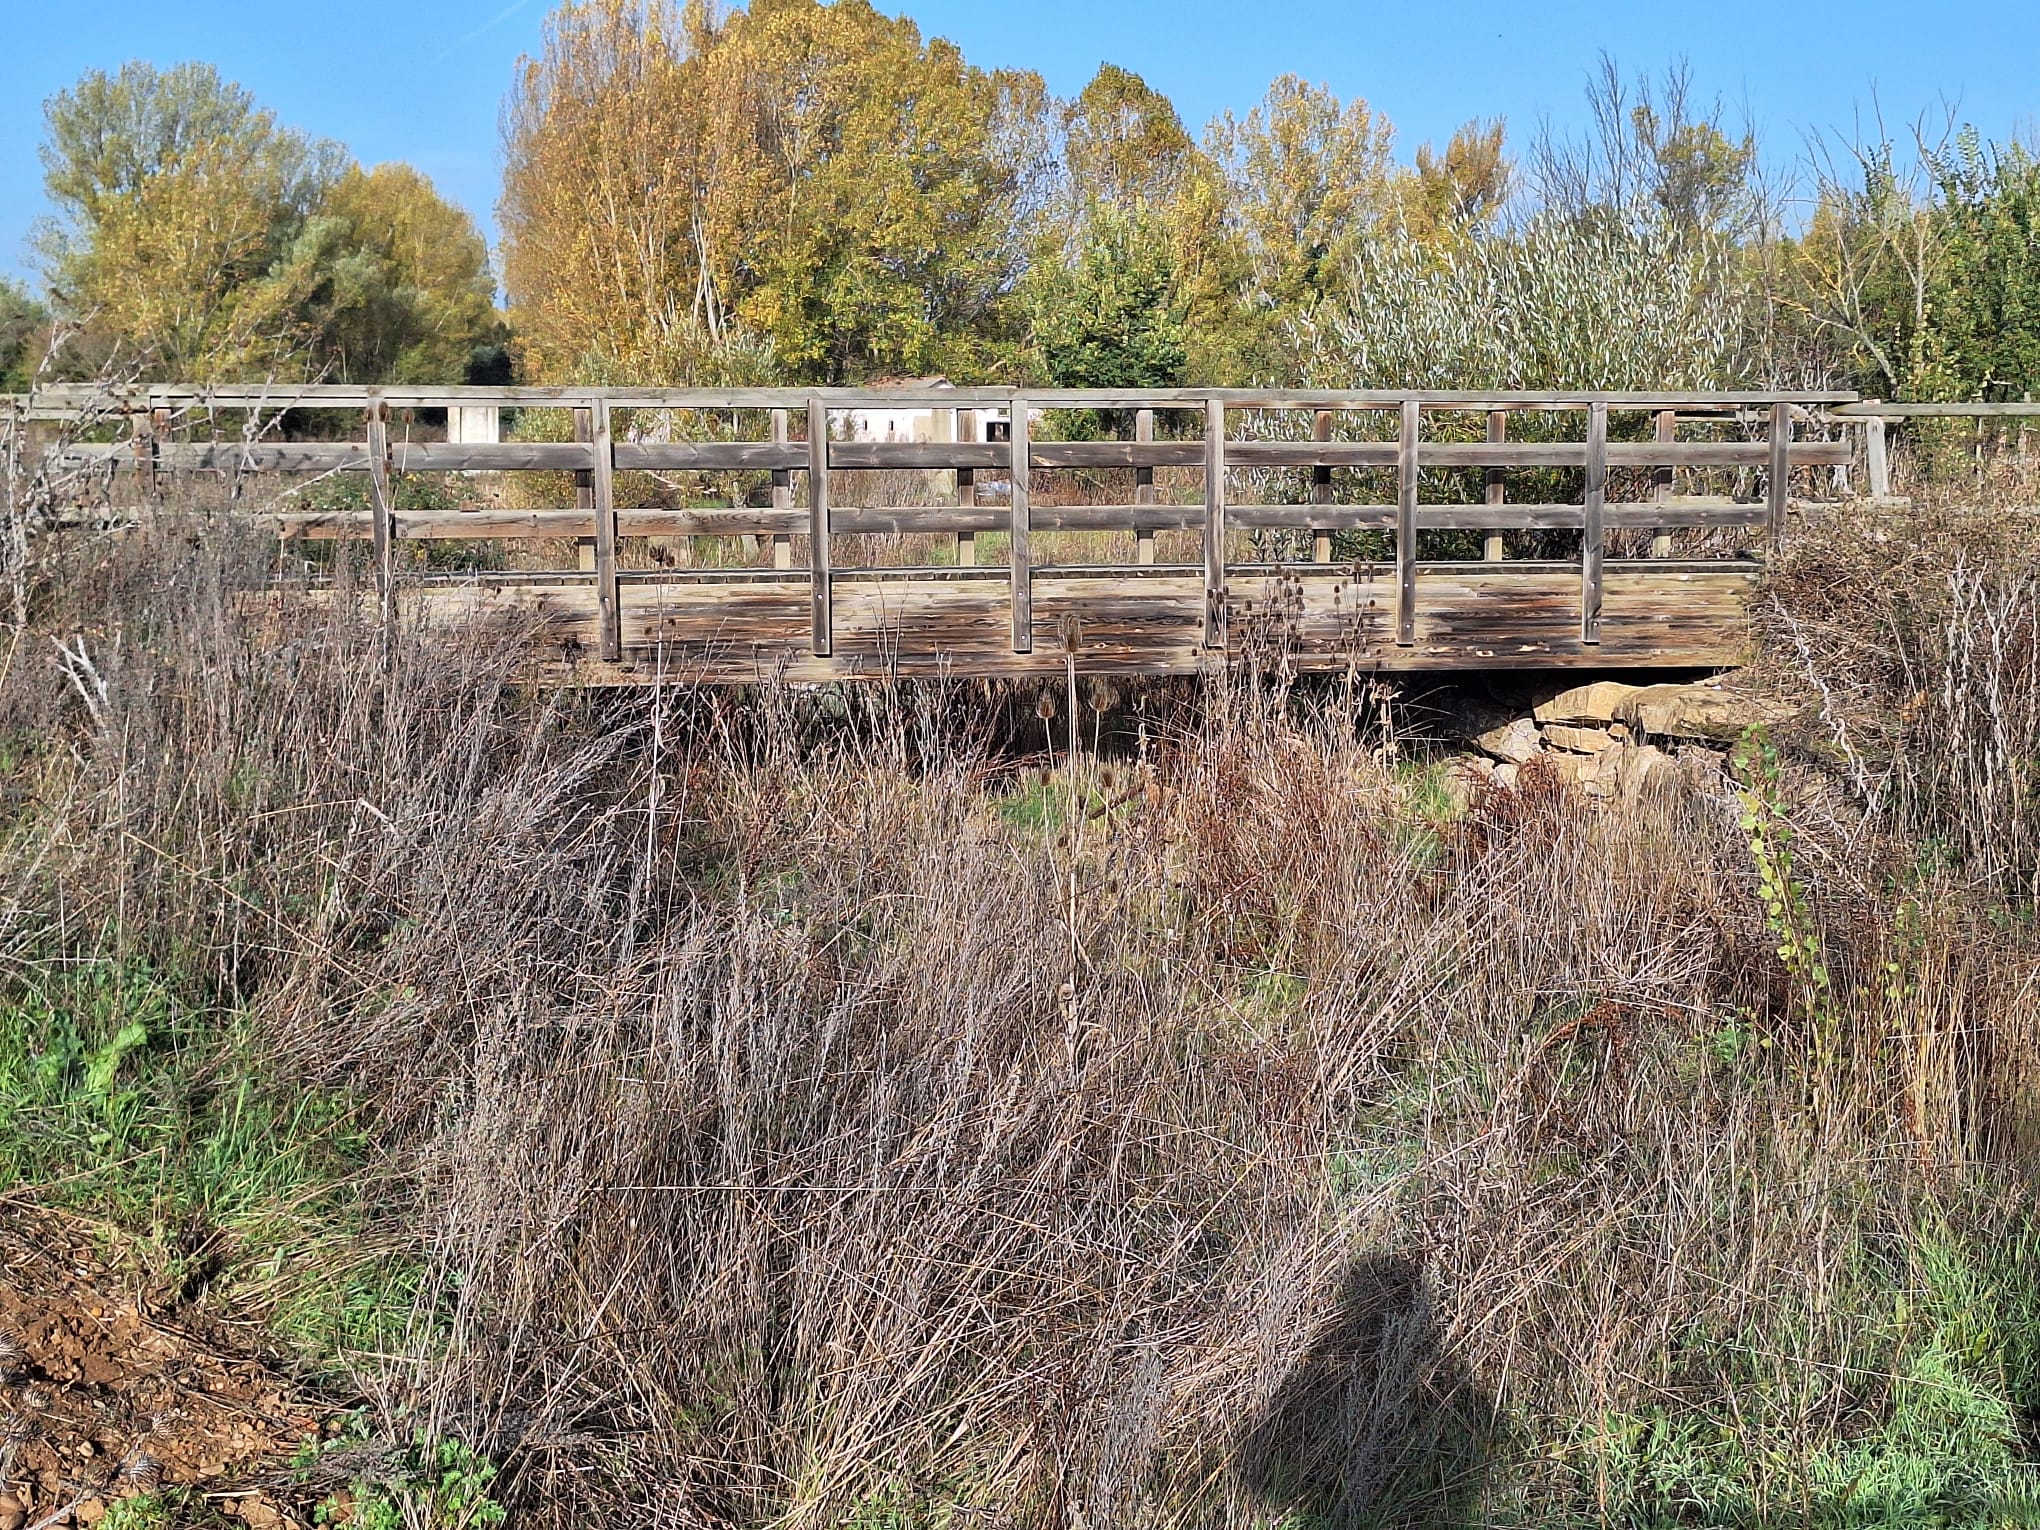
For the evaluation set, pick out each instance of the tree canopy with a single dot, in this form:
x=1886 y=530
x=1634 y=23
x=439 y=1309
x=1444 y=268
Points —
x=804 y=191
x=211 y=241
x=688 y=194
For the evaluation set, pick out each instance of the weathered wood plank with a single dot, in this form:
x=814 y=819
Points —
x=1666 y=432
x=1876 y=460
x=508 y=456
x=768 y=456
x=1470 y=615
x=713 y=521
x=966 y=489
x=1214 y=524
x=1779 y=485
x=271 y=397
x=381 y=508
x=584 y=485
x=782 y=499
x=1143 y=487
x=1497 y=484
x=1321 y=489
x=711 y=456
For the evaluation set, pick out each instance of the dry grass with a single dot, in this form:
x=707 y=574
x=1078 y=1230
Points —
x=810 y=1115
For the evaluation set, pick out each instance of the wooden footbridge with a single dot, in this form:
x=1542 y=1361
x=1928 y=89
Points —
x=740 y=534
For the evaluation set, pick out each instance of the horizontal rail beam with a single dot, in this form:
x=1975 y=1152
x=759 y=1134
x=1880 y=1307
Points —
x=1873 y=410
x=478 y=525
x=66 y=400
x=766 y=456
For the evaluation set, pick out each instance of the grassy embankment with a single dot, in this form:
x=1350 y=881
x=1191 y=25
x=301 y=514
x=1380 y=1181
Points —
x=716 y=1113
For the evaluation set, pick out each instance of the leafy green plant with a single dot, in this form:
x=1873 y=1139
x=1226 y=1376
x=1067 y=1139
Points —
x=144 y=1511
x=1787 y=908
x=442 y=1485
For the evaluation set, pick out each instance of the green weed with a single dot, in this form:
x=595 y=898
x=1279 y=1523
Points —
x=447 y=1485
x=1942 y=1445
x=123 y=1101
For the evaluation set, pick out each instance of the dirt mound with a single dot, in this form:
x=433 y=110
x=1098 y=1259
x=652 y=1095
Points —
x=106 y=1395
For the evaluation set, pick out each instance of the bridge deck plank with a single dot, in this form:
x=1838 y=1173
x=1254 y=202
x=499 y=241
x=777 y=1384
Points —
x=1468 y=616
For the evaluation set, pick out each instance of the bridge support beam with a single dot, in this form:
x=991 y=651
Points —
x=1406 y=525
x=383 y=511
x=608 y=605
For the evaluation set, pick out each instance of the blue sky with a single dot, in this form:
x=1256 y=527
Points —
x=422 y=80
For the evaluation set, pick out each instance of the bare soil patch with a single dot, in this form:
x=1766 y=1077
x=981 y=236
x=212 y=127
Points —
x=111 y=1390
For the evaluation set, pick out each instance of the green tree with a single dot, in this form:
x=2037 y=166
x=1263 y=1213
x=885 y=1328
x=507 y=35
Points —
x=23 y=323
x=406 y=294
x=1987 y=298
x=179 y=205
x=1654 y=147
x=1111 y=318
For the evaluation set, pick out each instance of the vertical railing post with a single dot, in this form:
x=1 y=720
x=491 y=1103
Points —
x=1781 y=469
x=1143 y=486
x=1321 y=489
x=382 y=513
x=1406 y=524
x=822 y=606
x=584 y=491
x=142 y=432
x=1497 y=485
x=1593 y=504
x=966 y=489
x=1021 y=555
x=602 y=485
x=1667 y=431
x=1214 y=523
x=782 y=495
x=1876 y=460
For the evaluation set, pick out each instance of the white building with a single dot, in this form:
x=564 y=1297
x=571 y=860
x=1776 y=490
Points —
x=918 y=421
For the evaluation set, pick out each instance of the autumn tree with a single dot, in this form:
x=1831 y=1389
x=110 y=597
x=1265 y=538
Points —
x=179 y=203
x=198 y=234
x=624 y=190
x=894 y=241
x=405 y=293
x=1124 y=144
x=1306 y=174
x=685 y=188
x=1460 y=188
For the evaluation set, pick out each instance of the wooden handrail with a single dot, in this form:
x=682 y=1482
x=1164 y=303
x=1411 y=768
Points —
x=65 y=400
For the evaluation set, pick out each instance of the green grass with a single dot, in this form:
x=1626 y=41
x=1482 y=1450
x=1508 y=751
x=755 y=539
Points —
x=130 y=1104
x=1945 y=1393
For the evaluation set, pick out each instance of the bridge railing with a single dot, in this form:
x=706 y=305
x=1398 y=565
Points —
x=803 y=437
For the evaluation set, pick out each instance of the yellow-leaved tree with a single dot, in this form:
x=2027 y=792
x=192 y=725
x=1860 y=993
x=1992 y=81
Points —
x=178 y=203
x=195 y=233
x=799 y=190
